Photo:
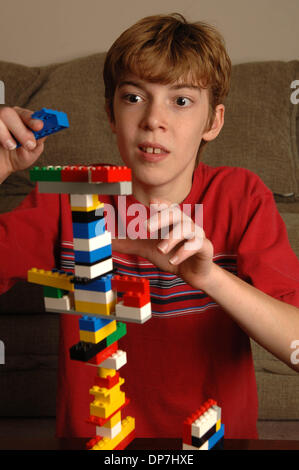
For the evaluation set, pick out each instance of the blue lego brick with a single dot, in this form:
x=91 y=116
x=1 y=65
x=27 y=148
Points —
x=93 y=256
x=101 y=284
x=89 y=323
x=90 y=229
x=54 y=121
x=216 y=437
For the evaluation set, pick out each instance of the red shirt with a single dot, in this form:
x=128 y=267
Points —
x=190 y=350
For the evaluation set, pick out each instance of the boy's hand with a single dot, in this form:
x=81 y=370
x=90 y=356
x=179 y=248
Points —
x=15 y=123
x=185 y=251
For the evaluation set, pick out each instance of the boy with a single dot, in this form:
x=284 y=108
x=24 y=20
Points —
x=166 y=80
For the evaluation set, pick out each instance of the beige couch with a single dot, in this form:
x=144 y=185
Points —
x=261 y=133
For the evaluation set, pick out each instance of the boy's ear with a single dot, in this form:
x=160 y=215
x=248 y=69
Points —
x=110 y=117
x=218 y=121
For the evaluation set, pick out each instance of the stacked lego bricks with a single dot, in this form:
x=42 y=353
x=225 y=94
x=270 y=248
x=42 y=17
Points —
x=101 y=336
x=96 y=294
x=203 y=430
x=90 y=289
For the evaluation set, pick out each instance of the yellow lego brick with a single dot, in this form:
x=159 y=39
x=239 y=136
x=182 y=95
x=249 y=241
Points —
x=113 y=421
x=127 y=426
x=107 y=395
x=218 y=425
x=97 y=336
x=107 y=400
x=91 y=307
x=51 y=279
x=104 y=410
x=104 y=372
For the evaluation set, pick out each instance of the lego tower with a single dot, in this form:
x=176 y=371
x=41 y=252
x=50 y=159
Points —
x=203 y=430
x=103 y=301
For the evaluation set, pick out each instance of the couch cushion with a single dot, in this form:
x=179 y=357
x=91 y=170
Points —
x=277 y=386
x=20 y=82
x=291 y=221
x=77 y=88
x=29 y=375
x=260 y=125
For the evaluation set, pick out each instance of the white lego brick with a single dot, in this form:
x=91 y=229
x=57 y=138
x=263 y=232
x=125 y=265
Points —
x=82 y=200
x=109 y=432
x=61 y=187
x=204 y=423
x=94 y=296
x=94 y=270
x=136 y=313
x=57 y=304
x=115 y=361
x=218 y=411
x=94 y=243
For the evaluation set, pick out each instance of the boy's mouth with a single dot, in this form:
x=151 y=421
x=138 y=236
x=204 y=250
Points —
x=155 y=149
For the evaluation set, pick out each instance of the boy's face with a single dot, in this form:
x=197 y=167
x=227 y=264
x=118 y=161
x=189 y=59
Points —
x=159 y=129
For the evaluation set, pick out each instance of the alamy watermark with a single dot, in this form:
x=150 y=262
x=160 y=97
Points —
x=294 y=358
x=295 y=94
x=2 y=92
x=2 y=353
x=162 y=222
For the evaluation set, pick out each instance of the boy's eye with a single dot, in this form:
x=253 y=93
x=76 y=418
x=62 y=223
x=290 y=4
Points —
x=183 y=101
x=132 y=98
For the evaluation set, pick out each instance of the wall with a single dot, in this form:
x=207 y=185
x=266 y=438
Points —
x=38 y=32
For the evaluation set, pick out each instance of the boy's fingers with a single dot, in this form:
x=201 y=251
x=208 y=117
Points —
x=6 y=139
x=188 y=249
x=25 y=115
x=14 y=128
x=164 y=217
x=193 y=236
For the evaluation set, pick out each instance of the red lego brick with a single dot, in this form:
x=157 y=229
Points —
x=96 y=420
x=130 y=284
x=187 y=437
x=107 y=382
x=110 y=174
x=131 y=299
x=126 y=441
x=92 y=442
x=103 y=355
x=75 y=173
x=188 y=421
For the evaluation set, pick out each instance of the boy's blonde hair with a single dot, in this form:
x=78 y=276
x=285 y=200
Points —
x=167 y=49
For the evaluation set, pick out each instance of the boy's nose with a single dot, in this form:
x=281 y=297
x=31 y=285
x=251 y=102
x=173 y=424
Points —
x=154 y=117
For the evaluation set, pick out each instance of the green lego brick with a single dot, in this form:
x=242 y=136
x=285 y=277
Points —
x=54 y=292
x=45 y=173
x=121 y=330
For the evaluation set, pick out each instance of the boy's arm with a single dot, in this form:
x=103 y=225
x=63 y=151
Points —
x=29 y=237
x=270 y=322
